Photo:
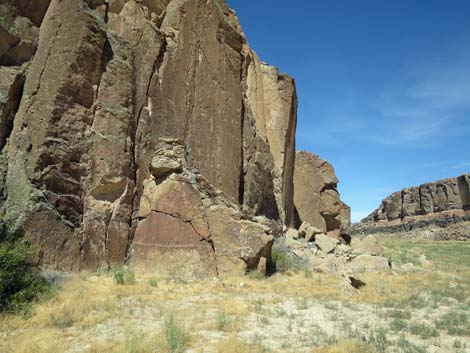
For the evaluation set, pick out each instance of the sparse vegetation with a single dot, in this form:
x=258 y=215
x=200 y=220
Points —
x=223 y=322
x=20 y=282
x=123 y=275
x=153 y=282
x=287 y=312
x=176 y=337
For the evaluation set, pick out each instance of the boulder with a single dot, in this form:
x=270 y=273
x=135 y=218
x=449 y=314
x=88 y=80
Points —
x=316 y=197
x=369 y=263
x=292 y=234
x=367 y=245
x=325 y=243
x=308 y=232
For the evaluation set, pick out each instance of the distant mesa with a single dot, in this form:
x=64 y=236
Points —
x=441 y=203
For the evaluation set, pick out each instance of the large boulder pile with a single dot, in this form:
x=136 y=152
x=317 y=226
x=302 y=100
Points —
x=316 y=197
x=310 y=249
x=146 y=131
x=422 y=210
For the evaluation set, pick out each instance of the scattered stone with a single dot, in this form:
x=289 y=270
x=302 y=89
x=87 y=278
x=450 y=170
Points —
x=292 y=234
x=408 y=267
x=369 y=263
x=367 y=245
x=262 y=266
x=325 y=243
x=425 y=263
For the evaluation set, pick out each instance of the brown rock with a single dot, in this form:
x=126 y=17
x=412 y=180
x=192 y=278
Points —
x=18 y=36
x=11 y=84
x=142 y=130
x=316 y=198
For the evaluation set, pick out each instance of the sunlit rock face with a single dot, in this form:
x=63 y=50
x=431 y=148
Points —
x=110 y=107
x=317 y=200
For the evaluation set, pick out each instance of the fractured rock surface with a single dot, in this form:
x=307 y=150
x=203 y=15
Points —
x=316 y=197
x=131 y=130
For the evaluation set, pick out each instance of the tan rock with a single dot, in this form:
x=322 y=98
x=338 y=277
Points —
x=367 y=245
x=369 y=263
x=316 y=198
x=292 y=234
x=325 y=243
x=308 y=232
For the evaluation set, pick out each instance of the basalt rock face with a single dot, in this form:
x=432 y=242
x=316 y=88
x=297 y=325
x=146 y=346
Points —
x=142 y=130
x=316 y=197
x=442 y=203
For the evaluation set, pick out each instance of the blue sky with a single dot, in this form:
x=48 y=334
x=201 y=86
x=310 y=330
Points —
x=383 y=86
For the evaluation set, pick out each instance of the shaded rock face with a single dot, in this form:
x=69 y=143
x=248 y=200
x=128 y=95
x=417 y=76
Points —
x=316 y=197
x=119 y=117
x=441 y=203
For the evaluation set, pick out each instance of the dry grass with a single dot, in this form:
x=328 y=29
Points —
x=345 y=346
x=284 y=313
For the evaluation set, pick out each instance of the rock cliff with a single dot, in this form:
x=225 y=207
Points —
x=316 y=197
x=142 y=130
x=440 y=203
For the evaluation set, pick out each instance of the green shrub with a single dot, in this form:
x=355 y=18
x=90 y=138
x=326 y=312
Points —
x=255 y=274
x=176 y=338
x=123 y=275
x=153 y=282
x=20 y=282
x=223 y=322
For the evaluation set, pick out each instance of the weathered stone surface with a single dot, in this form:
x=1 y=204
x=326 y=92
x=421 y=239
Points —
x=442 y=203
x=271 y=103
x=316 y=197
x=325 y=243
x=308 y=232
x=34 y=10
x=369 y=263
x=18 y=36
x=11 y=85
x=367 y=245
x=143 y=130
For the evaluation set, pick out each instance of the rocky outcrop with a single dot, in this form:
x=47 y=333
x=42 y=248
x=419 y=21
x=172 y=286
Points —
x=441 y=203
x=112 y=109
x=322 y=253
x=316 y=197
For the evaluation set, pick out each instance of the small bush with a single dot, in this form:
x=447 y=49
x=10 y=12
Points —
x=255 y=274
x=153 y=282
x=423 y=330
x=123 y=275
x=455 y=323
x=398 y=325
x=223 y=322
x=20 y=282
x=176 y=338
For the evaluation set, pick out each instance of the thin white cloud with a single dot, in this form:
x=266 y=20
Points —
x=432 y=103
